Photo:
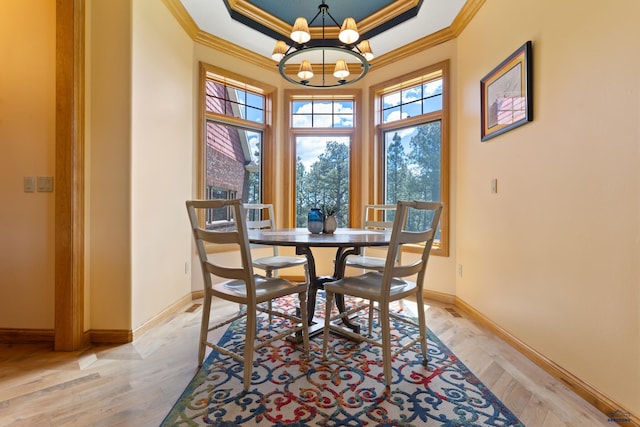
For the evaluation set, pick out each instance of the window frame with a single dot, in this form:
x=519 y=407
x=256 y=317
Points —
x=250 y=85
x=441 y=69
x=356 y=151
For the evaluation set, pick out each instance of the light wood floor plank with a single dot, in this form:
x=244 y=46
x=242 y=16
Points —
x=136 y=384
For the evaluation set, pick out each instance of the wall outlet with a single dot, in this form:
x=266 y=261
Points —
x=494 y=185
x=459 y=270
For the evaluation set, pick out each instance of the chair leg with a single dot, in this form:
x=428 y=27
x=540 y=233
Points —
x=204 y=326
x=327 y=322
x=385 y=324
x=302 y=296
x=422 y=323
x=269 y=273
x=371 y=309
x=248 y=348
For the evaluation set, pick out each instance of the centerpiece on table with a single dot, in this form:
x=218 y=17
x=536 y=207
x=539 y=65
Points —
x=315 y=223
x=330 y=222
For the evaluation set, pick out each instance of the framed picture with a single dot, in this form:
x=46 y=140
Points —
x=505 y=94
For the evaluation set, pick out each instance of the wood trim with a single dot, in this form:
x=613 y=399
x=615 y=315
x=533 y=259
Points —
x=463 y=18
x=26 y=336
x=162 y=316
x=182 y=16
x=394 y=9
x=578 y=386
x=355 y=152
x=123 y=336
x=234 y=50
x=439 y=296
x=466 y=14
x=69 y=173
x=111 y=336
x=376 y=177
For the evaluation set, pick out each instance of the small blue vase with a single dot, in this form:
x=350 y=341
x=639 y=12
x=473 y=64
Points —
x=315 y=221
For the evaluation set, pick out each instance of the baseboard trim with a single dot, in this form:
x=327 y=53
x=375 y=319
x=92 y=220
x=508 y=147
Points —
x=439 y=296
x=163 y=315
x=604 y=404
x=26 y=336
x=110 y=336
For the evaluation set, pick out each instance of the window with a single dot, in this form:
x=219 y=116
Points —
x=411 y=116
x=323 y=131
x=236 y=118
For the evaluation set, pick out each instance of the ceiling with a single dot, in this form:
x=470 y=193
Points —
x=257 y=24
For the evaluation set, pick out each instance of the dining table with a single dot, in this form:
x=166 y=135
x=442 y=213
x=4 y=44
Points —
x=346 y=241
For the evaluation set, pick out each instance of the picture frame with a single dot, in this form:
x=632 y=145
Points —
x=506 y=94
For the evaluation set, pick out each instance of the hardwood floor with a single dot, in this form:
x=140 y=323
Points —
x=136 y=384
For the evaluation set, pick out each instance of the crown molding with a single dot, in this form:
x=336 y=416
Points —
x=249 y=10
x=235 y=50
x=460 y=22
x=468 y=11
x=182 y=16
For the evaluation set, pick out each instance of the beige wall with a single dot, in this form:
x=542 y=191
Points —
x=27 y=147
x=553 y=257
x=139 y=150
x=108 y=151
x=162 y=137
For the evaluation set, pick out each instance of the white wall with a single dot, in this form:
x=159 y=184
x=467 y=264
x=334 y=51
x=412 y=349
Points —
x=553 y=256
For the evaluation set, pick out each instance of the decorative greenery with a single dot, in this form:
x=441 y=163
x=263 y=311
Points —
x=329 y=210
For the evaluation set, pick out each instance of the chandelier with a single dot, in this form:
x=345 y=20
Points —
x=314 y=59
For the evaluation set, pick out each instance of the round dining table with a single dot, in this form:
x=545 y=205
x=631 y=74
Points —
x=347 y=241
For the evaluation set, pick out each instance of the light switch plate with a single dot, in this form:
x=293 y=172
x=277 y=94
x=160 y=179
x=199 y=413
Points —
x=29 y=184
x=45 y=184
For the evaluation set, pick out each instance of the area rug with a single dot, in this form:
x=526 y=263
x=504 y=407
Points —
x=344 y=390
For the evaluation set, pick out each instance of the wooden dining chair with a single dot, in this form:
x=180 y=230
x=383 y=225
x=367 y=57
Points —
x=392 y=283
x=261 y=216
x=376 y=217
x=240 y=285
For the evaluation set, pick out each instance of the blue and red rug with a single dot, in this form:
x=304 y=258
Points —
x=344 y=390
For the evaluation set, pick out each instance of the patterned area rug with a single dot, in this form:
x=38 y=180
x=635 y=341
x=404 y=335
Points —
x=344 y=390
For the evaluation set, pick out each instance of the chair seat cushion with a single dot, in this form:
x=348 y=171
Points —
x=278 y=261
x=369 y=286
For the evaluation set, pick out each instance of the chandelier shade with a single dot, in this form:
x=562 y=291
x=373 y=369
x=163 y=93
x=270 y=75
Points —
x=300 y=31
x=349 y=31
x=323 y=63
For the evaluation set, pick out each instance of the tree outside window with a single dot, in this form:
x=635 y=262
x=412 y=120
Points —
x=411 y=118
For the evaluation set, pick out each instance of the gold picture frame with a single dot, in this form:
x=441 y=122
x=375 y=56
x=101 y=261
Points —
x=505 y=93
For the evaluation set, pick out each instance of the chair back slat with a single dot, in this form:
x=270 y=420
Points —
x=234 y=234
x=375 y=216
x=400 y=236
x=260 y=216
